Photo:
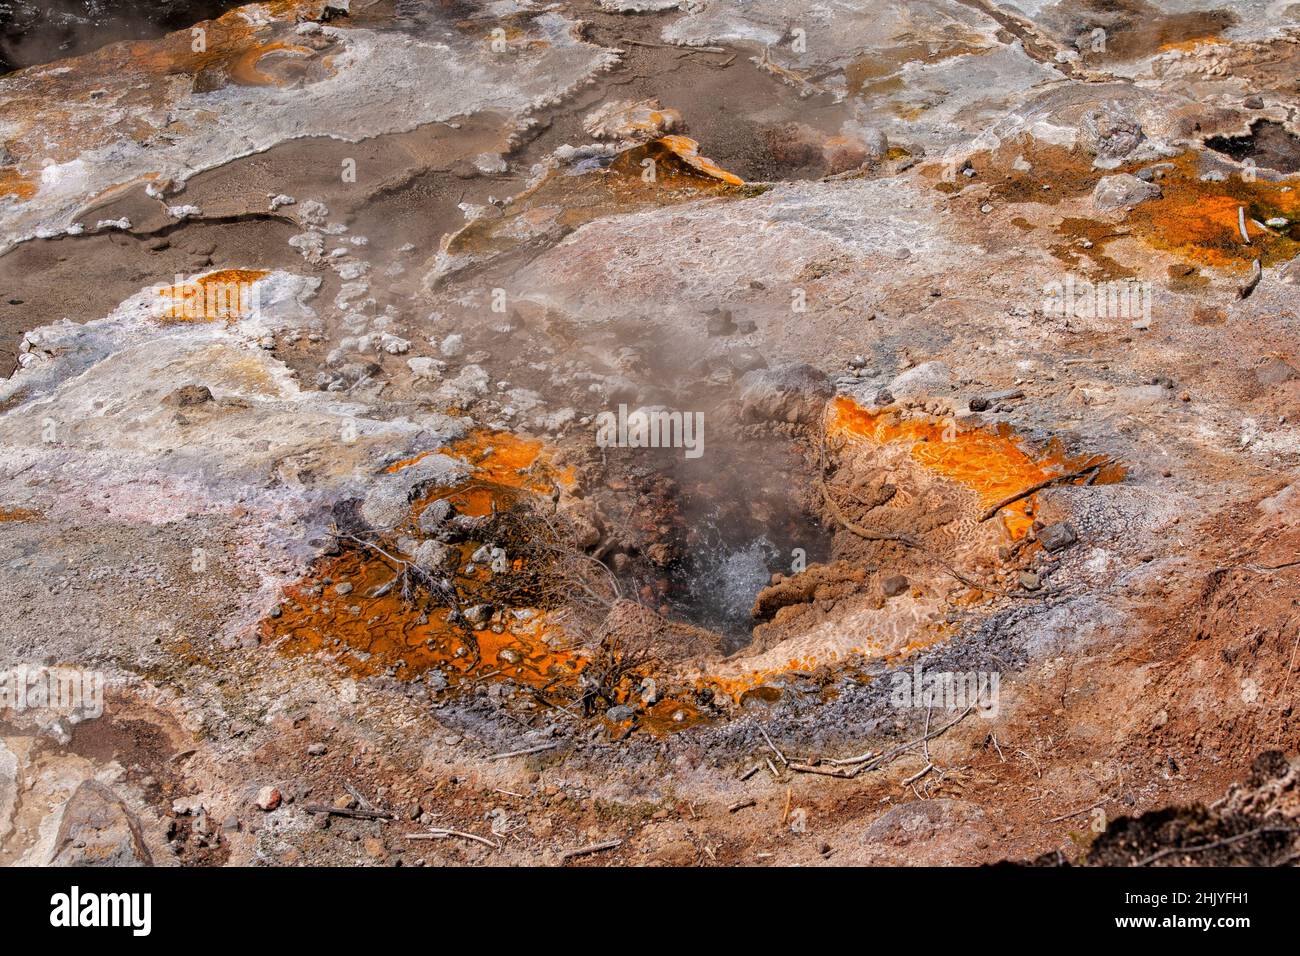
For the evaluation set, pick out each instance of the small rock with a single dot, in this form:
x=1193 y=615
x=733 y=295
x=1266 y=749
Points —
x=979 y=404
x=926 y=379
x=894 y=585
x=97 y=829
x=1029 y=580
x=619 y=713
x=1275 y=371
x=1121 y=190
x=268 y=798
x=478 y=615
x=784 y=393
x=188 y=395
x=430 y=556
x=317 y=749
x=435 y=516
x=1057 y=537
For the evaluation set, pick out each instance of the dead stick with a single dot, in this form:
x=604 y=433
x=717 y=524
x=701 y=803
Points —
x=588 y=850
x=843 y=773
x=776 y=750
x=1075 y=813
x=522 y=753
x=1228 y=841
x=917 y=776
x=441 y=833
x=1095 y=465
x=358 y=796
x=868 y=762
x=347 y=812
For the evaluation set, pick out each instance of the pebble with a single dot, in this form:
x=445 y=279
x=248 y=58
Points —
x=1057 y=537
x=894 y=585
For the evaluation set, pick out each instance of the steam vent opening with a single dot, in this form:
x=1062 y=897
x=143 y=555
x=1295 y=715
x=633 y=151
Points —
x=735 y=518
x=685 y=433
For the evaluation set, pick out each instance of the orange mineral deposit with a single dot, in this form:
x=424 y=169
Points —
x=993 y=464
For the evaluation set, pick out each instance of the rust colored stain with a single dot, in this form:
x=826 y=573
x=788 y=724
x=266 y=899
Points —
x=688 y=151
x=368 y=632
x=374 y=629
x=669 y=716
x=18 y=514
x=511 y=461
x=244 y=69
x=52 y=109
x=14 y=183
x=1198 y=220
x=993 y=464
x=560 y=203
x=231 y=44
x=225 y=294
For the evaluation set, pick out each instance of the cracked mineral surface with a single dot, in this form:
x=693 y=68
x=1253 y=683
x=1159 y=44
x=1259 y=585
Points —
x=766 y=433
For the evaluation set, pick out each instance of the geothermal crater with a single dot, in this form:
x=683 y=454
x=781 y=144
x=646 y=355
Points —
x=952 y=355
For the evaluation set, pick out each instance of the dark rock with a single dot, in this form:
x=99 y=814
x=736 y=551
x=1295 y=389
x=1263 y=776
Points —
x=435 y=515
x=894 y=585
x=188 y=395
x=619 y=713
x=1057 y=537
x=979 y=404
